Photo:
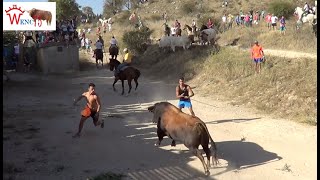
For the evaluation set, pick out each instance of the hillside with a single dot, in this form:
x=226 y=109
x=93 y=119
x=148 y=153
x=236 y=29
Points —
x=286 y=87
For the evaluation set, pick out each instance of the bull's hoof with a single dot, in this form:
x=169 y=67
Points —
x=207 y=173
x=157 y=143
x=173 y=144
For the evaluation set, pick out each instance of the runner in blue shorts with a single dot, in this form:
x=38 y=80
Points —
x=183 y=93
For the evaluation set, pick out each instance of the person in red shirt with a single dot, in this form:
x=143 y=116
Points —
x=210 y=24
x=257 y=55
x=268 y=20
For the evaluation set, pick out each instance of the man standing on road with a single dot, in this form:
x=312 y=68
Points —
x=92 y=108
x=257 y=55
x=183 y=93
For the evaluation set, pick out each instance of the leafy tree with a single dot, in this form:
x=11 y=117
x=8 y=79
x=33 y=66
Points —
x=66 y=9
x=110 y=7
x=281 y=8
x=87 y=11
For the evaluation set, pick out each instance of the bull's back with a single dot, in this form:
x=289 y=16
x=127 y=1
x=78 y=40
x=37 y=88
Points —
x=175 y=119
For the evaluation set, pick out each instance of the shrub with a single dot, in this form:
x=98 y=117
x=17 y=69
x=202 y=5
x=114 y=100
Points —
x=188 y=7
x=136 y=40
x=155 y=17
x=124 y=17
x=281 y=8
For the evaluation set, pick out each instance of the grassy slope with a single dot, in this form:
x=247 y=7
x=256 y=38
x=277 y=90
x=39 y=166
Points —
x=286 y=87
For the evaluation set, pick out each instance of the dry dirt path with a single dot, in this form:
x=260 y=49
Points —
x=39 y=121
x=283 y=53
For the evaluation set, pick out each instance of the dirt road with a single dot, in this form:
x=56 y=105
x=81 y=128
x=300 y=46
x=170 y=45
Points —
x=39 y=121
x=282 y=53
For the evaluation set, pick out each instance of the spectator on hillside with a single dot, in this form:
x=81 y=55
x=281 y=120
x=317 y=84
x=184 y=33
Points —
x=165 y=17
x=250 y=19
x=262 y=15
x=109 y=22
x=256 y=18
x=306 y=8
x=282 y=25
x=230 y=21
x=193 y=24
x=83 y=43
x=268 y=20
x=247 y=20
x=274 y=20
x=177 y=24
x=88 y=45
x=98 y=30
x=238 y=20
x=224 y=22
x=210 y=23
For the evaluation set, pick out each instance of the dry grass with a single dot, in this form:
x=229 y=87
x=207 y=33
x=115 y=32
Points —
x=286 y=88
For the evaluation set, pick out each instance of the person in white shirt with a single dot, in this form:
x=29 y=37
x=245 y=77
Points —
x=274 y=20
x=98 y=52
x=88 y=45
x=83 y=45
x=113 y=42
x=193 y=25
x=109 y=24
x=224 y=22
x=306 y=8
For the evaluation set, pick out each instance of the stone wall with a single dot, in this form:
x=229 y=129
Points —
x=58 y=59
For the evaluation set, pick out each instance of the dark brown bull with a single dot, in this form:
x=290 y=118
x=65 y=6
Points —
x=38 y=14
x=183 y=127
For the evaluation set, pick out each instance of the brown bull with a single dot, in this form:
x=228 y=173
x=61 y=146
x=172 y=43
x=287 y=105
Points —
x=185 y=128
x=38 y=14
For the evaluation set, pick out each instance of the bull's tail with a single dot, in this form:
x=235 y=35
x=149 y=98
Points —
x=213 y=147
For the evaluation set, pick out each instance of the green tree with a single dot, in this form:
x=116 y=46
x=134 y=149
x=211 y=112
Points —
x=66 y=9
x=281 y=8
x=111 y=6
x=87 y=11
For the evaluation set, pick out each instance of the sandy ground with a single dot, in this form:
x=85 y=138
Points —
x=282 y=53
x=39 y=121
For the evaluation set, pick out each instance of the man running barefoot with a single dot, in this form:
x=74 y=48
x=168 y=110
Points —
x=92 y=108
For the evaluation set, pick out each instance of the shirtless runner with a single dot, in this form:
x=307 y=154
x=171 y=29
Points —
x=92 y=108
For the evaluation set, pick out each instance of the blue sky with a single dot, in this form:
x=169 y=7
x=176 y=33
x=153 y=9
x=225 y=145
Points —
x=97 y=5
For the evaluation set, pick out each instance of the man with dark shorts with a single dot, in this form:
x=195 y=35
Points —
x=257 y=55
x=92 y=108
x=183 y=93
